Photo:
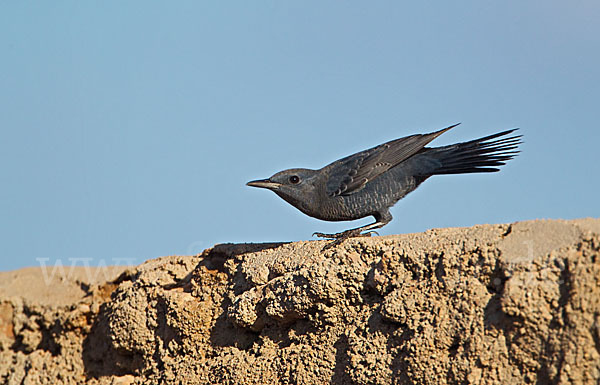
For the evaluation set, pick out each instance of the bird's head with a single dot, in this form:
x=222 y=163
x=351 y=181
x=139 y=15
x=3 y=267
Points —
x=297 y=186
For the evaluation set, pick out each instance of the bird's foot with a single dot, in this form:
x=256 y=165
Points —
x=352 y=233
x=338 y=238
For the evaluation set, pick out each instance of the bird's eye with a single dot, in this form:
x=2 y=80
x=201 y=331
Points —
x=294 y=179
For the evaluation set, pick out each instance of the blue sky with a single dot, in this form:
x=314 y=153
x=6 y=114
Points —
x=129 y=129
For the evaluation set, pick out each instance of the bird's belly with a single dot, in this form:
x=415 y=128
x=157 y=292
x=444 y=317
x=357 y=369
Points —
x=338 y=209
x=379 y=194
x=348 y=207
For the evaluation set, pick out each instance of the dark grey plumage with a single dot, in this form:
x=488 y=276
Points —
x=371 y=181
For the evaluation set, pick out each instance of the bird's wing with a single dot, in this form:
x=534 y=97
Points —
x=351 y=174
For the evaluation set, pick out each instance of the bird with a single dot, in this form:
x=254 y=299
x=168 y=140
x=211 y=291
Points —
x=370 y=182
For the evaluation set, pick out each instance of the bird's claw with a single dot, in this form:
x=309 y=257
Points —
x=345 y=234
x=338 y=238
x=324 y=235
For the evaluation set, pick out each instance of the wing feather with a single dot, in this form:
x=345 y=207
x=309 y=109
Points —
x=351 y=174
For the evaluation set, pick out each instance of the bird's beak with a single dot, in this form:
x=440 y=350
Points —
x=264 y=183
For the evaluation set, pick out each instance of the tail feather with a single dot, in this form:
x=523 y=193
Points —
x=479 y=155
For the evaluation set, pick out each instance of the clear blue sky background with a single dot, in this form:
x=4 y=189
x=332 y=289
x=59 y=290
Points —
x=130 y=128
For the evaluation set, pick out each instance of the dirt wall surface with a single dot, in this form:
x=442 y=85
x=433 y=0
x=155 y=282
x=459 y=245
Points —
x=491 y=304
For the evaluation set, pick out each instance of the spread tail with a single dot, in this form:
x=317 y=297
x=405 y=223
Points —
x=479 y=155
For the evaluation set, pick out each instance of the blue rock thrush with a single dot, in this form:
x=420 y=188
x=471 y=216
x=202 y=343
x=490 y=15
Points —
x=368 y=183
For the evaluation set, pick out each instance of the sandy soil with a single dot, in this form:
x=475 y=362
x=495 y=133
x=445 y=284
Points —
x=491 y=304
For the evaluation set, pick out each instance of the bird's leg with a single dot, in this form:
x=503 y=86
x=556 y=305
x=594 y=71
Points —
x=381 y=219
